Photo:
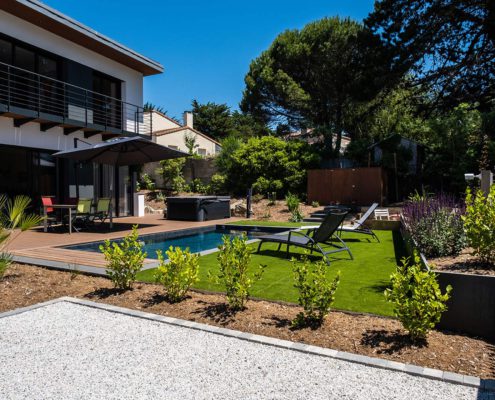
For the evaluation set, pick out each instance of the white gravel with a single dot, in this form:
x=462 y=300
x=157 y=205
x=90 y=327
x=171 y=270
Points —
x=69 y=351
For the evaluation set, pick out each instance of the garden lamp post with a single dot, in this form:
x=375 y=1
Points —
x=486 y=178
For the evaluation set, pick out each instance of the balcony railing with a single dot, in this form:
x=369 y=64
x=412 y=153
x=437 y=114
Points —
x=29 y=96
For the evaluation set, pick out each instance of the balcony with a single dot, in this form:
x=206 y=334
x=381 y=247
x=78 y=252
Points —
x=29 y=97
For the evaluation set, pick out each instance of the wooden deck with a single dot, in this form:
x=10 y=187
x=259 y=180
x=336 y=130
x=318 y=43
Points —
x=40 y=248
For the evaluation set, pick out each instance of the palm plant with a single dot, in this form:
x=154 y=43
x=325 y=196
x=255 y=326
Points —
x=14 y=219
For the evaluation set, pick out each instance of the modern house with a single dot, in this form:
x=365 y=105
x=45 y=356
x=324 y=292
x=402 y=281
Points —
x=169 y=132
x=64 y=85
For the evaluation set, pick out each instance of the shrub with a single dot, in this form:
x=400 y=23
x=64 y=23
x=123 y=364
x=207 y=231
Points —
x=171 y=173
x=125 y=260
x=417 y=298
x=13 y=218
x=435 y=224
x=293 y=202
x=233 y=259
x=315 y=204
x=479 y=224
x=147 y=183
x=268 y=164
x=217 y=184
x=178 y=274
x=316 y=291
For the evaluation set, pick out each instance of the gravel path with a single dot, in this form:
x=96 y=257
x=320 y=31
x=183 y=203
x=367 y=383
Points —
x=69 y=351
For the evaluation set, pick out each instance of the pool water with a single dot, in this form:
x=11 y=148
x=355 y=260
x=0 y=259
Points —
x=196 y=242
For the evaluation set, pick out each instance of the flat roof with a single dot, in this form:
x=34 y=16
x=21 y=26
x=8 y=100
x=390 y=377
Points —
x=48 y=18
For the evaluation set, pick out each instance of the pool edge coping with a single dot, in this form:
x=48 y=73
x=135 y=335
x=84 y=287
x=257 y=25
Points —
x=423 y=372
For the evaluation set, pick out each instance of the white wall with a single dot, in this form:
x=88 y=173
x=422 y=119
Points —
x=177 y=139
x=161 y=123
x=132 y=89
x=30 y=135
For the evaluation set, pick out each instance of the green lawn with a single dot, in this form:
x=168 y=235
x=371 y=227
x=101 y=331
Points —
x=253 y=222
x=362 y=283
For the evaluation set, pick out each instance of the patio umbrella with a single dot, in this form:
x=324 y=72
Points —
x=122 y=151
x=133 y=150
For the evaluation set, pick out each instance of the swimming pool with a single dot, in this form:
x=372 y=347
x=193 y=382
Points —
x=197 y=240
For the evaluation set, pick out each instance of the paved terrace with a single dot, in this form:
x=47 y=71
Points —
x=40 y=248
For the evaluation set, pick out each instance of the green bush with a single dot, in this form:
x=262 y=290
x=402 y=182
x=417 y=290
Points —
x=435 y=224
x=14 y=220
x=316 y=291
x=315 y=204
x=233 y=259
x=268 y=164
x=417 y=298
x=147 y=183
x=293 y=205
x=171 y=173
x=217 y=184
x=440 y=234
x=124 y=260
x=178 y=274
x=479 y=224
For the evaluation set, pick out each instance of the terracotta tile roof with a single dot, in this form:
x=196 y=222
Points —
x=183 y=128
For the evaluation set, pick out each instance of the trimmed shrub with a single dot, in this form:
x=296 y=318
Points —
x=316 y=291
x=178 y=274
x=435 y=223
x=417 y=298
x=125 y=260
x=479 y=224
x=233 y=259
x=293 y=205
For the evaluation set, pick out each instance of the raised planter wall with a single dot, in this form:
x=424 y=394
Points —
x=471 y=308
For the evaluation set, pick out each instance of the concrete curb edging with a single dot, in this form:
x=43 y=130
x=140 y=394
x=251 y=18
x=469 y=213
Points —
x=424 y=372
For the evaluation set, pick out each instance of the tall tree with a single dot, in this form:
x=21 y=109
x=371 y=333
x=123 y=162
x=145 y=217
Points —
x=212 y=119
x=448 y=44
x=317 y=77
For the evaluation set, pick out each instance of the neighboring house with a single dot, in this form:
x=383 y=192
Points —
x=396 y=149
x=62 y=85
x=310 y=138
x=169 y=132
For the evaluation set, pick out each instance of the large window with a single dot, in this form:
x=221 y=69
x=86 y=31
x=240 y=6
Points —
x=28 y=172
x=107 y=107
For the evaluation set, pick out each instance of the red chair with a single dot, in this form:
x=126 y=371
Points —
x=51 y=216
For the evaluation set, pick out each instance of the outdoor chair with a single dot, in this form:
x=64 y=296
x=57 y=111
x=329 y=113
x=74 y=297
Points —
x=102 y=211
x=82 y=214
x=313 y=239
x=359 y=226
x=51 y=215
x=382 y=213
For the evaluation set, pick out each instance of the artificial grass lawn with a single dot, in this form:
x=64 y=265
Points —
x=253 y=222
x=362 y=280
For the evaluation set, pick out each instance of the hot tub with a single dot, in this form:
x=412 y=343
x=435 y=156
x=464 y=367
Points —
x=198 y=208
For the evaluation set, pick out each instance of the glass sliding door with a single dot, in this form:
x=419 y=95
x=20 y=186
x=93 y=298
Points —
x=124 y=191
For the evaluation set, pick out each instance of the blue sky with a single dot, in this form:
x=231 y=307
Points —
x=205 y=46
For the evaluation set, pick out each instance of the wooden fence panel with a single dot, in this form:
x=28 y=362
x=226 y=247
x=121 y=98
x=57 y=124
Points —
x=358 y=186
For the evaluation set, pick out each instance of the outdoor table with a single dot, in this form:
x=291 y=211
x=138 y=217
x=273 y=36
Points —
x=68 y=207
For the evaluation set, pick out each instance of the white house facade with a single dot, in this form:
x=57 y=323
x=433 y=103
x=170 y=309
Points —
x=168 y=132
x=63 y=85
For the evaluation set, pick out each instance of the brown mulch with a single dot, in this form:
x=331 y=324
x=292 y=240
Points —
x=356 y=333
x=464 y=263
x=278 y=212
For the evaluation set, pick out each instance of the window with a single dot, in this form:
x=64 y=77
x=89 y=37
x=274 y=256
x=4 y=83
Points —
x=173 y=147
x=202 y=152
x=5 y=51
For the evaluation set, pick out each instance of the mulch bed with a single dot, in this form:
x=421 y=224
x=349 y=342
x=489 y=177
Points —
x=356 y=333
x=464 y=263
